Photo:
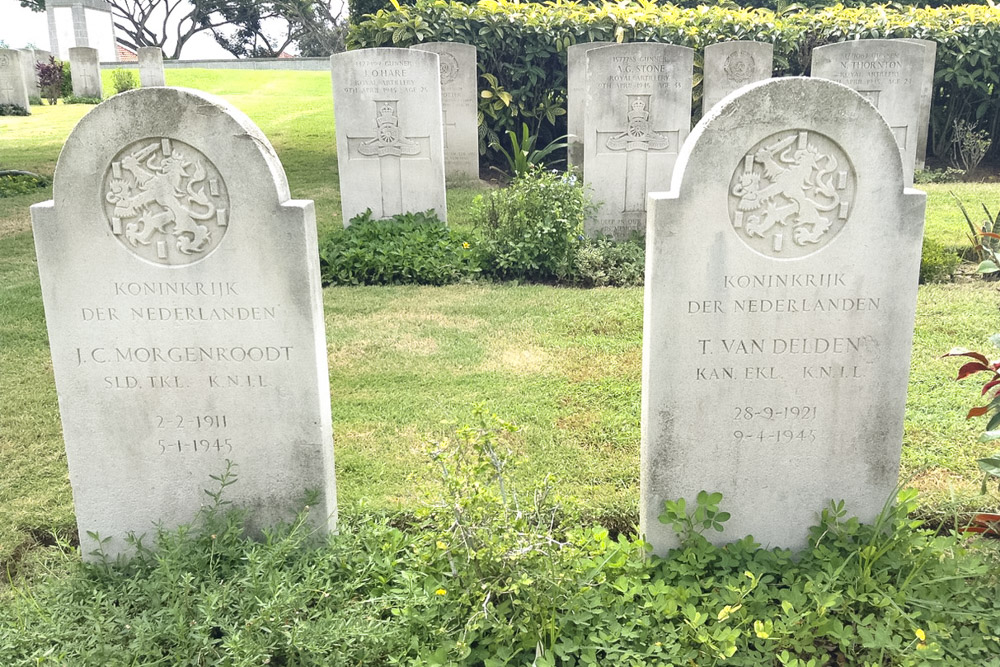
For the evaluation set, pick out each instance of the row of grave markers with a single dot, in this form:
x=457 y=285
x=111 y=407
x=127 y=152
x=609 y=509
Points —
x=628 y=113
x=183 y=304
x=19 y=78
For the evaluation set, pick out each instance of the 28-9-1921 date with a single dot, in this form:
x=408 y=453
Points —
x=792 y=412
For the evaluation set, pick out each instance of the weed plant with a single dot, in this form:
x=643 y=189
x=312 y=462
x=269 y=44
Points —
x=19 y=184
x=487 y=576
x=123 y=80
x=13 y=110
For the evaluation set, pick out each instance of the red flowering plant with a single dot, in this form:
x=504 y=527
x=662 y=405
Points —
x=991 y=391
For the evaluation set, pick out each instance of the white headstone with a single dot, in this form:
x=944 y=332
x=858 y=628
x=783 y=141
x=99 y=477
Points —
x=151 y=67
x=576 y=99
x=86 y=71
x=638 y=115
x=28 y=72
x=459 y=109
x=12 y=87
x=390 y=152
x=182 y=297
x=889 y=73
x=732 y=65
x=781 y=284
x=926 y=97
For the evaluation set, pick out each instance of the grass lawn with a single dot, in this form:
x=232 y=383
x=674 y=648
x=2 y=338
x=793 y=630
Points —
x=563 y=363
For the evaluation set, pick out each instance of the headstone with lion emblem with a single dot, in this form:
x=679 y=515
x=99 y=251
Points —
x=182 y=298
x=781 y=284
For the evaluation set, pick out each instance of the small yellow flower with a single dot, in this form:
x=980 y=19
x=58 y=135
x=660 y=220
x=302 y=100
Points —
x=441 y=545
x=440 y=591
x=921 y=635
x=465 y=245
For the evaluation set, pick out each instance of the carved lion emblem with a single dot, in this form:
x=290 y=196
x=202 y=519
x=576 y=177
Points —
x=791 y=194
x=165 y=201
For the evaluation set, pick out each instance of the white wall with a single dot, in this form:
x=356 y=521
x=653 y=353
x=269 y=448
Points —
x=100 y=34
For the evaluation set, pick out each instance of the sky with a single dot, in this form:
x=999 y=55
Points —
x=20 y=27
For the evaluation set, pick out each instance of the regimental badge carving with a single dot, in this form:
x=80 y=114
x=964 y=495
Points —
x=388 y=139
x=449 y=67
x=740 y=67
x=166 y=202
x=792 y=194
x=639 y=134
x=4 y=61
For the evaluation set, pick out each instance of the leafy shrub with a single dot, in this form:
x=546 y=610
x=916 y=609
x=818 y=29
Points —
x=937 y=263
x=81 y=99
x=51 y=78
x=123 y=79
x=487 y=575
x=946 y=175
x=13 y=110
x=411 y=248
x=532 y=228
x=604 y=262
x=984 y=235
x=522 y=46
x=34 y=100
x=19 y=184
x=991 y=393
x=67 y=80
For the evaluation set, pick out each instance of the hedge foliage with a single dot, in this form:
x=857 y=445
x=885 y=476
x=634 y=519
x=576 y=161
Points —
x=522 y=48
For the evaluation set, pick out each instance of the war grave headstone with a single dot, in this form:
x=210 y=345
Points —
x=389 y=143
x=151 y=67
x=576 y=99
x=637 y=117
x=182 y=298
x=12 y=87
x=889 y=73
x=926 y=96
x=459 y=109
x=28 y=69
x=86 y=71
x=781 y=284
x=731 y=65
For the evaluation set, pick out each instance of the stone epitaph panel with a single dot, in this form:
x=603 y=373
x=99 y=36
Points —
x=12 y=87
x=28 y=68
x=182 y=297
x=151 y=67
x=732 y=65
x=638 y=115
x=890 y=74
x=576 y=99
x=390 y=150
x=781 y=284
x=86 y=71
x=459 y=109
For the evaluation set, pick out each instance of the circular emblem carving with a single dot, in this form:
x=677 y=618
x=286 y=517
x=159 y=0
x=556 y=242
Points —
x=4 y=61
x=166 y=202
x=739 y=66
x=449 y=67
x=792 y=194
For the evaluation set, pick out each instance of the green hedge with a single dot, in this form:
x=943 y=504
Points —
x=522 y=48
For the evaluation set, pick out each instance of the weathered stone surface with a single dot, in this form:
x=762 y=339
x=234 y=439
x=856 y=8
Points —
x=576 y=99
x=151 y=67
x=638 y=115
x=86 y=71
x=926 y=96
x=182 y=297
x=781 y=281
x=889 y=73
x=12 y=87
x=390 y=151
x=459 y=109
x=732 y=65
x=28 y=72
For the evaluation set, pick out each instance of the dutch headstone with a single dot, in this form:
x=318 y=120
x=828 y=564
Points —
x=86 y=71
x=781 y=284
x=732 y=65
x=576 y=99
x=638 y=115
x=926 y=97
x=459 y=109
x=182 y=297
x=28 y=72
x=889 y=73
x=389 y=146
x=151 y=67
x=12 y=87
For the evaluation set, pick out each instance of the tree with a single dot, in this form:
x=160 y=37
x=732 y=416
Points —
x=265 y=28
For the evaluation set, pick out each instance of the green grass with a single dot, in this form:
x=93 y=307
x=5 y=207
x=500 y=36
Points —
x=563 y=363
